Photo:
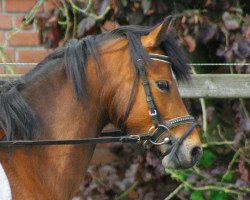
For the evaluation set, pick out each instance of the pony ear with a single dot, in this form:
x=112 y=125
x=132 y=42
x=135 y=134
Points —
x=158 y=35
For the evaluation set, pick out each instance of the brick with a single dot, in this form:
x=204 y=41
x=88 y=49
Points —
x=2 y=70
x=32 y=55
x=6 y=21
x=10 y=55
x=21 y=69
x=2 y=38
x=19 y=22
x=49 y=5
x=24 y=39
x=20 y=5
x=1 y=5
x=16 y=70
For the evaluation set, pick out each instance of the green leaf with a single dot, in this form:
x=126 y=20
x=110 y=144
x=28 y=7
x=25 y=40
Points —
x=215 y=195
x=182 y=176
x=196 y=195
x=228 y=177
x=179 y=175
x=207 y=159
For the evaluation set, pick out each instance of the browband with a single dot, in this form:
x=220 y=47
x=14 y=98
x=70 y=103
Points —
x=159 y=57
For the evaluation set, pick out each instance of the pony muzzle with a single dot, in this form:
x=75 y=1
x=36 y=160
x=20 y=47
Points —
x=186 y=156
x=183 y=153
x=176 y=153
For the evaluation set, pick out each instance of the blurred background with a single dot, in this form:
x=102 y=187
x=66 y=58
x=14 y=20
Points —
x=210 y=31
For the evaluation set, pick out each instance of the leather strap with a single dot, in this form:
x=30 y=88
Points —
x=152 y=108
x=122 y=139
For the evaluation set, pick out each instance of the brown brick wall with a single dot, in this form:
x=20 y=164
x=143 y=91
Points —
x=17 y=6
x=6 y=21
x=9 y=53
x=24 y=47
x=12 y=13
x=2 y=38
x=30 y=39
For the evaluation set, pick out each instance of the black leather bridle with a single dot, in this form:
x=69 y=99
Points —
x=158 y=134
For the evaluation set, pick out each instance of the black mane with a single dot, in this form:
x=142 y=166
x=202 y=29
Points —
x=17 y=118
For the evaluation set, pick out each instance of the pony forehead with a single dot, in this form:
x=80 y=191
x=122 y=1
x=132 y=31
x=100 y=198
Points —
x=169 y=47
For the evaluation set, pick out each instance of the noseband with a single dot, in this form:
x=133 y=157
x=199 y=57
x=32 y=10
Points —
x=160 y=132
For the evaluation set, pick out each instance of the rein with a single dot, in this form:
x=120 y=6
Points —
x=106 y=139
x=156 y=135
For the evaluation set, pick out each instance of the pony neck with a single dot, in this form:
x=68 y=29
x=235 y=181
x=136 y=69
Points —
x=54 y=172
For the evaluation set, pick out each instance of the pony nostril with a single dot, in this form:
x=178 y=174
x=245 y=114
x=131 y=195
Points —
x=196 y=153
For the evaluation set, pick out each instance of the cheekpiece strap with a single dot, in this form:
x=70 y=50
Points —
x=152 y=108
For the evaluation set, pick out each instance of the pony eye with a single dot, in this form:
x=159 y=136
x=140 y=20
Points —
x=163 y=85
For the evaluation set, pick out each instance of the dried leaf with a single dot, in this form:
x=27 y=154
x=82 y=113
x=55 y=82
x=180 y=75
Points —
x=137 y=5
x=85 y=25
x=208 y=2
x=243 y=171
x=231 y=24
x=108 y=25
x=52 y=20
x=220 y=52
x=210 y=112
x=243 y=50
x=103 y=6
x=189 y=42
x=51 y=38
x=231 y=21
x=247 y=32
x=207 y=32
x=135 y=17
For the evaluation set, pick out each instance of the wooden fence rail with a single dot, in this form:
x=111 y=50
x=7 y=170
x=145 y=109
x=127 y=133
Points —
x=217 y=86
x=204 y=85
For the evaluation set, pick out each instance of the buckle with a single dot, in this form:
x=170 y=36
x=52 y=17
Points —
x=149 y=143
x=166 y=140
x=135 y=137
x=152 y=114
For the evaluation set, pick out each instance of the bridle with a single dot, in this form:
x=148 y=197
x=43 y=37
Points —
x=158 y=134
x=160 y=126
